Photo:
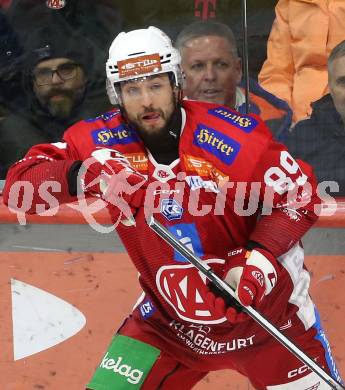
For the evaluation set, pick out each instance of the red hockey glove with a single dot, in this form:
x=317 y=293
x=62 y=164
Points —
x=252 y=274
x=109 y=175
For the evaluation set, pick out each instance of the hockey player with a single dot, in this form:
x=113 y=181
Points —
x=194 y=166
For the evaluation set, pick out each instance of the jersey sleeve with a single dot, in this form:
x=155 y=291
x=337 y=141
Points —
x=289 y=199
x=44 y=168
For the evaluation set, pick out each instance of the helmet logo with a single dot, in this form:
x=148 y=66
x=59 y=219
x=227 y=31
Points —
x=55 y=4
x=139 y=65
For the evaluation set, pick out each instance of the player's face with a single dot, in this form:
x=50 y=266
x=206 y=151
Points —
x=149 y=102
x=336 y=80
x=211 y=69
x=59 y=85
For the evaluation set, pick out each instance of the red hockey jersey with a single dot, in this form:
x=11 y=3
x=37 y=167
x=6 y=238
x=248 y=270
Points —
x=232 y=183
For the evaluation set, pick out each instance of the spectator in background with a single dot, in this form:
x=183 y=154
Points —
x=320 y=140
x=172 y=16
x=302 y=36
x=213 y=72
x=55 y=78
x=11 y=96
x=96 y=21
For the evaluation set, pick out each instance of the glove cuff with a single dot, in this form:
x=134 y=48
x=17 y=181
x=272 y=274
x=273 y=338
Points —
x=267 y=263
x=72 y=178
x=258 y=257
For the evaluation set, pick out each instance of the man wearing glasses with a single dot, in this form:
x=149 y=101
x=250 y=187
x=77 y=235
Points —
x=59 y=85
x=56 y=73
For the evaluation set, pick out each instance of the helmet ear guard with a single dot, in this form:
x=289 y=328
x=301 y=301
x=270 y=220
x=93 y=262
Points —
x=140 y=53
x=112 y=95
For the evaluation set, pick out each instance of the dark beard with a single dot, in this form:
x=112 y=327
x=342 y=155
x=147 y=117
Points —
x=163 y=145
x=62 y=109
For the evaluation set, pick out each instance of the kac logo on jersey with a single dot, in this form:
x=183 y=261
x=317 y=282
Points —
x=243 y=122
x=184 y=288
x=109 y=137
x=218 y=144
x=171 y=209
x=187 y=234
x=147 y=309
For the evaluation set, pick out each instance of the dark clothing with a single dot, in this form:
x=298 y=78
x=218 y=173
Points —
x=18 y=132
x=275 y=112
x=11 y=95
x=10 y=47
x=320 y=141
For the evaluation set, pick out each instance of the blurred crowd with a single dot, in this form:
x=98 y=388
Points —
x=52 y=73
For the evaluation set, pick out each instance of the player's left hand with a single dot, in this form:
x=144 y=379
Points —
x=108 y=174
x=252 y=274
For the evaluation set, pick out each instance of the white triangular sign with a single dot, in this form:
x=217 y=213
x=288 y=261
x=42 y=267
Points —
x=40 y=319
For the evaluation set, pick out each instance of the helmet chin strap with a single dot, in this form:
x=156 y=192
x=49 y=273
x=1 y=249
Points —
x=175 y=122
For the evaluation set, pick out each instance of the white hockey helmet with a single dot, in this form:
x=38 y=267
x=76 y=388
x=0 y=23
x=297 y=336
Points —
x=140 y=53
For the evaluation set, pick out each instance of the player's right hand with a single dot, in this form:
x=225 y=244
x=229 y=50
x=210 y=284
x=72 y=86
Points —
x=252 y=275
x=109 y=175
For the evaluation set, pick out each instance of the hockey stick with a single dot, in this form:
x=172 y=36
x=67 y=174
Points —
x=245 y=56
x=224 y=287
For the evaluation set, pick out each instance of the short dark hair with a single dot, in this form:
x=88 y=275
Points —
x=206 y=28
x=337 y=52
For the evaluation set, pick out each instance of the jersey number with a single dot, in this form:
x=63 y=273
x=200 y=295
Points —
x=279 y=178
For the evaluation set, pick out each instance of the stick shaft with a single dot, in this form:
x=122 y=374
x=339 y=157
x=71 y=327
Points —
x=245 y=57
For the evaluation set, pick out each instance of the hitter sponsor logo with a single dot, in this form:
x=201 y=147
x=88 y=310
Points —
x=243 y=122
x=118 y=135
x=133 y=375
x=216 y=143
